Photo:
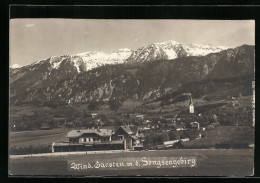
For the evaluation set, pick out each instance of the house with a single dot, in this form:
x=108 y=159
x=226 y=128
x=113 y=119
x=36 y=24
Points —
x=185 y=140
x=97 y=120
x=45 y=126
x=100 y=139
x=181 y=129
x=133 y=137
x=146 y=121
x=234 y=103
x=199 y=136
x=89 y=135
x=124 y=133
x=93 y=115
x=140 y=116
x=88 y=140
x=170 y=143
x=195 y=125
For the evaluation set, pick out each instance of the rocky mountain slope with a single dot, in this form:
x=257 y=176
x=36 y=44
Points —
x=58 y=81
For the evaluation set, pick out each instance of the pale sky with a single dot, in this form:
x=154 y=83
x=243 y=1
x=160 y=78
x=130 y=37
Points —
x=35 y=39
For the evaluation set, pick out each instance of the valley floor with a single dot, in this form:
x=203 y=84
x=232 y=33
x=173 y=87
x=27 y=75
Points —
x=221 y=134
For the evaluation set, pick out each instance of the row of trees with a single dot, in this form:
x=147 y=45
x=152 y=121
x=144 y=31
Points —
x=113 y=104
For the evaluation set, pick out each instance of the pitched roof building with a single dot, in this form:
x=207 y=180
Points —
x=99 y=132
x=101 y=139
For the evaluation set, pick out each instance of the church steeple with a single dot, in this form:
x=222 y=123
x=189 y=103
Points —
x=191 y=106
x=191 y=102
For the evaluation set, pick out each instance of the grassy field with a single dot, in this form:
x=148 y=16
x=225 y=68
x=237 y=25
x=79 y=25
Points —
x=37 y=138
x=28 y=110
x=219 y=162
x=224 y=134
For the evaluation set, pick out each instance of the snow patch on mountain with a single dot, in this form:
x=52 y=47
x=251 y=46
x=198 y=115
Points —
x=202 y=50
x=56 y=61
x=15 y=66
x=77 y=61
x=92 y=60
x=170 y=53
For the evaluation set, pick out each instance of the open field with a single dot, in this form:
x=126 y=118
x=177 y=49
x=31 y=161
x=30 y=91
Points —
x=224 y=134
x=232 y=162
x=37 y=138
x=28 y=110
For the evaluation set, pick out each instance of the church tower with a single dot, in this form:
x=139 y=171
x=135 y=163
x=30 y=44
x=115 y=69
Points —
x=191 y=106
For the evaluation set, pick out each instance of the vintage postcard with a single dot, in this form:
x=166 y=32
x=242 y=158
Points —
x=131 y=97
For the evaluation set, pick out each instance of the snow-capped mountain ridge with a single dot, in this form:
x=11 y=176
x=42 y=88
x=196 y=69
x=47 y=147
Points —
x=167 y=50
x=172 y=49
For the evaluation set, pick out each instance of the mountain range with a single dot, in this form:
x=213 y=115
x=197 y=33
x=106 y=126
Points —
x=157 y=51
x=146 y=73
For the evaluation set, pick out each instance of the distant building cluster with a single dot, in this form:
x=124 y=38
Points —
x=124 y=137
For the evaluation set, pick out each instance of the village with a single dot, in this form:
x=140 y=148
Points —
x=161 y=134
x=192 y=123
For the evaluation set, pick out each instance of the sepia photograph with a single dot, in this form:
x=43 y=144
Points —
x=131 y=97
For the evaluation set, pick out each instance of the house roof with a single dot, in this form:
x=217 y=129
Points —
x=133 y=128
x=127 y=129
x=134 y=137
x=103 y=132
x=131 y=131
x=100 y=132
x=141 y=135
x=191 y=102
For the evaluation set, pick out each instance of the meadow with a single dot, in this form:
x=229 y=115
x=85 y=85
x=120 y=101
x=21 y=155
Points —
x=37 y=138
x=224 y=134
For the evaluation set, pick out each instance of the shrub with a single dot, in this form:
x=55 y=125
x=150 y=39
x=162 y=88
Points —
x=93 y=105
x=114 y=104
x=215 y=124
x=210 y=127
